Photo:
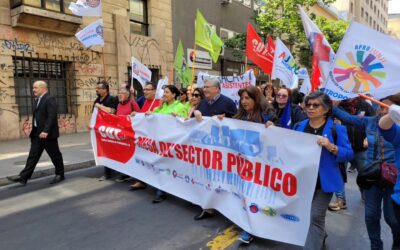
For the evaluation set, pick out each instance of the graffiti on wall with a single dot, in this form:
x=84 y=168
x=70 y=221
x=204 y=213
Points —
x=92 y=82
x=17 y=45
x=148 y=50
x=66 y=123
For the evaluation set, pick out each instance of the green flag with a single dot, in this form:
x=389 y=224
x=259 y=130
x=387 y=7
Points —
x=207 y=38
x=184 y=73
x=179 y=56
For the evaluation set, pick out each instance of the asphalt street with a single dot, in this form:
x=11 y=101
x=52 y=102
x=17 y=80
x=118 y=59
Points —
x=83 y=213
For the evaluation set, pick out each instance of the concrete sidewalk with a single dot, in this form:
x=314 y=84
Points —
x=75 y=148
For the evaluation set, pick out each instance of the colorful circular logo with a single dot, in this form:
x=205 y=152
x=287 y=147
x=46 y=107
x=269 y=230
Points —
x=93 y=3
x=360 y=71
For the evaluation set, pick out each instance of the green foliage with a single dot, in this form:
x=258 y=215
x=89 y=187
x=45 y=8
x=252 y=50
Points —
x=281 y=18
x=236 y=42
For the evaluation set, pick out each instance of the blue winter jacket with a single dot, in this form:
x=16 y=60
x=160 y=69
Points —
x=329 y=173
x=393 y=135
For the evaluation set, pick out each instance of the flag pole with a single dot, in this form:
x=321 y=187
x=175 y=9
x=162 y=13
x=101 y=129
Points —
x=194 y=61
x=373 y=100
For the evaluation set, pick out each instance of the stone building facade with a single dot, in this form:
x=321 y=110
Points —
x=37 y=42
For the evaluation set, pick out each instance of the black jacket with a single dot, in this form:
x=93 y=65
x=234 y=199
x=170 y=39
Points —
x=46 y=117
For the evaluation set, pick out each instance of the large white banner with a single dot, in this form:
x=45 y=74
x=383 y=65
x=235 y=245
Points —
x=257 y=177
x=140 y=72
x=230 y=85
x=285 y=67
x=92 y=34
x=86 y=8
x=366 y=62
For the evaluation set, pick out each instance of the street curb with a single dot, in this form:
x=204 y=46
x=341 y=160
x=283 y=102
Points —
x=50 y=171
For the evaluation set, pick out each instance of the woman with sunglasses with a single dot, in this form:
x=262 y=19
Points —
x=197 y=96
x=376 y=194
x=184 y=99
x=282 y=103
x=335 y=148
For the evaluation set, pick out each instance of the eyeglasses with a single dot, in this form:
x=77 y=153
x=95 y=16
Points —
x=313 y=105
x=196 y=95
x=281 y=95
x=148 y=89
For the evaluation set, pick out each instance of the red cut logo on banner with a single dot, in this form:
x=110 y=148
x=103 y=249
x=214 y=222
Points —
x=257 y=52
x=115 y=137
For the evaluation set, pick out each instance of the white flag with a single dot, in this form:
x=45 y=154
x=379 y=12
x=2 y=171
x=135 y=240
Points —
x=86 y=8
x=285 y=67
x=160 y=87
x=323 y=54
x=306 y=86
x=92 y=34
x=366 y=62
x=140 y=72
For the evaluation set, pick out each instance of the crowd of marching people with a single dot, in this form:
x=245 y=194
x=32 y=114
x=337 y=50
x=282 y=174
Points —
x=355 y=135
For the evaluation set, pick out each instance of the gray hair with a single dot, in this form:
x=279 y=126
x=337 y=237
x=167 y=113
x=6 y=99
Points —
x=41 y=83
x=214 y=81
x=124 y=90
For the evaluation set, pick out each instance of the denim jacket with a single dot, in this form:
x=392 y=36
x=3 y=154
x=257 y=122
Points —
x=370 y=125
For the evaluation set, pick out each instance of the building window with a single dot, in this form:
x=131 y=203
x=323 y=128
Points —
x=138 y=17
x=370 y=20
x=246 y=3
x=155 y=76
x=362 y=12
x=366 y=16
x=226 y=34
x=351 y=8
x=54 y=5
x=29 y=70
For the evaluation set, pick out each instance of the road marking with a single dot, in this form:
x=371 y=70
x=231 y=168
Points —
x=225 y=239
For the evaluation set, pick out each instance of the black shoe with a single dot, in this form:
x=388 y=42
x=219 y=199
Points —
x=17 y=179
x=57 y=179
x=203 y=215
x=159 y=198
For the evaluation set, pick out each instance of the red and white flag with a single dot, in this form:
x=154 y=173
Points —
x=323 y=54
x=257 y=52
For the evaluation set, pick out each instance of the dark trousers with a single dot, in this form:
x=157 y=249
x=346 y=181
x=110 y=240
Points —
x=37 y=147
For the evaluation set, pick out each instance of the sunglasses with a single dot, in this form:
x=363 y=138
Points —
x=196 y=95
x=313 y=105
x=281 y=95
x=182 y=94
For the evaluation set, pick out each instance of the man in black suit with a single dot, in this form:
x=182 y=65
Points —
x=43 y=136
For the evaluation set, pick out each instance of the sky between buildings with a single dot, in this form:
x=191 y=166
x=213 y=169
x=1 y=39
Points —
x=394 y=6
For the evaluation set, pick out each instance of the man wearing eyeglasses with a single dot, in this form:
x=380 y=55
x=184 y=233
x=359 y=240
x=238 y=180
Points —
x=108 y=103
x=215 y=103
x=151 y=102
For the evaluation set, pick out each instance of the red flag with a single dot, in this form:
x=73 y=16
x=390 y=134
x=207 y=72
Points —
x=257 y=52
